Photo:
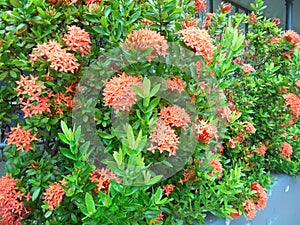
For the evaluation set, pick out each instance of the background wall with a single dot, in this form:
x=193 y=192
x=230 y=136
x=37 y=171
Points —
x=276 y=8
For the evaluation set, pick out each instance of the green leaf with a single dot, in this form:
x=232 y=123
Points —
x=63 y=138
x=74 y=218
x=155 y=90
x=66 y=130
x=21 y=28
x=36 y=194
x=138 y=90
x=134 y=17
x=84 y=148
x=158 y=194
x=48 y=214
x=147 y=85
x=67 y=153
x=90 y=204
x=118 y=156
x=99 y=30
x=154 y=180
x=104 y=22
x=19 y=63
x=130 y=137
x=15 y=3
x=77 y=133
x=154 y=102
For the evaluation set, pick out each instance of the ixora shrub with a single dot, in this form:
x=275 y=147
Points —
x=135 y=112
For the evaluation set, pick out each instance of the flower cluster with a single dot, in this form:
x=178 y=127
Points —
x=145 y=38
x=28 y=85
x=247 y=69
x=200 y=5
x=250 y=209
x=226 y=7
x=164 y=138
x=262 y=197
x=59 y=58
x=262 y=149
x=102 y=178
x=168 y=189
x=204 y=131
x=198 y=40
x=175 y=116
x=248 y=127
x=22 y=138
x=189 y=22
x=286 y=150
x=54 y=194
x=217 y=167
x=292 y=101
x=252 y=18
x=175 y=84
x=78 y=39
x=12 y=209
x=118 y=92
x=292 y=36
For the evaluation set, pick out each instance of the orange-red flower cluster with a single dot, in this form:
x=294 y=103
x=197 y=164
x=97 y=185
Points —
x=174 y=116
x=118 y=92
x=189 y=23
x=262 y=149
x=147 y=22
x=292 y=101
x=232 y=142
x=204 y=131
x=35 y=103
x=41 y=105
x=225 y=7
x=199 y=41
x=28 y=85
x=22 y=138
x=261 y=194
x=168 y=189
x=59 y=58
x=250 y=209
x=276 y=21
x=248 y=127
x=217 y=167
x=224 y=112
x=54 y=195
x=252 y=18
x=145 y=38
x=235 y=214
x=175 y=84
x=102 y=178
x=200 y=5
x=164 y=138
x=209 y=19
x=159 y=217
x=78 y=39
x=274 y=40
x=292 y=36
x=12 y=209
x=286 y=150
x=247 y=69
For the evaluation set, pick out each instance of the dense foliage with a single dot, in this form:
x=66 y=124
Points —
x=143 y=112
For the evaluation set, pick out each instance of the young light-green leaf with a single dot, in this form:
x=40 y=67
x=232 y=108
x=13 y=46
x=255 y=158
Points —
x=90 y=204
